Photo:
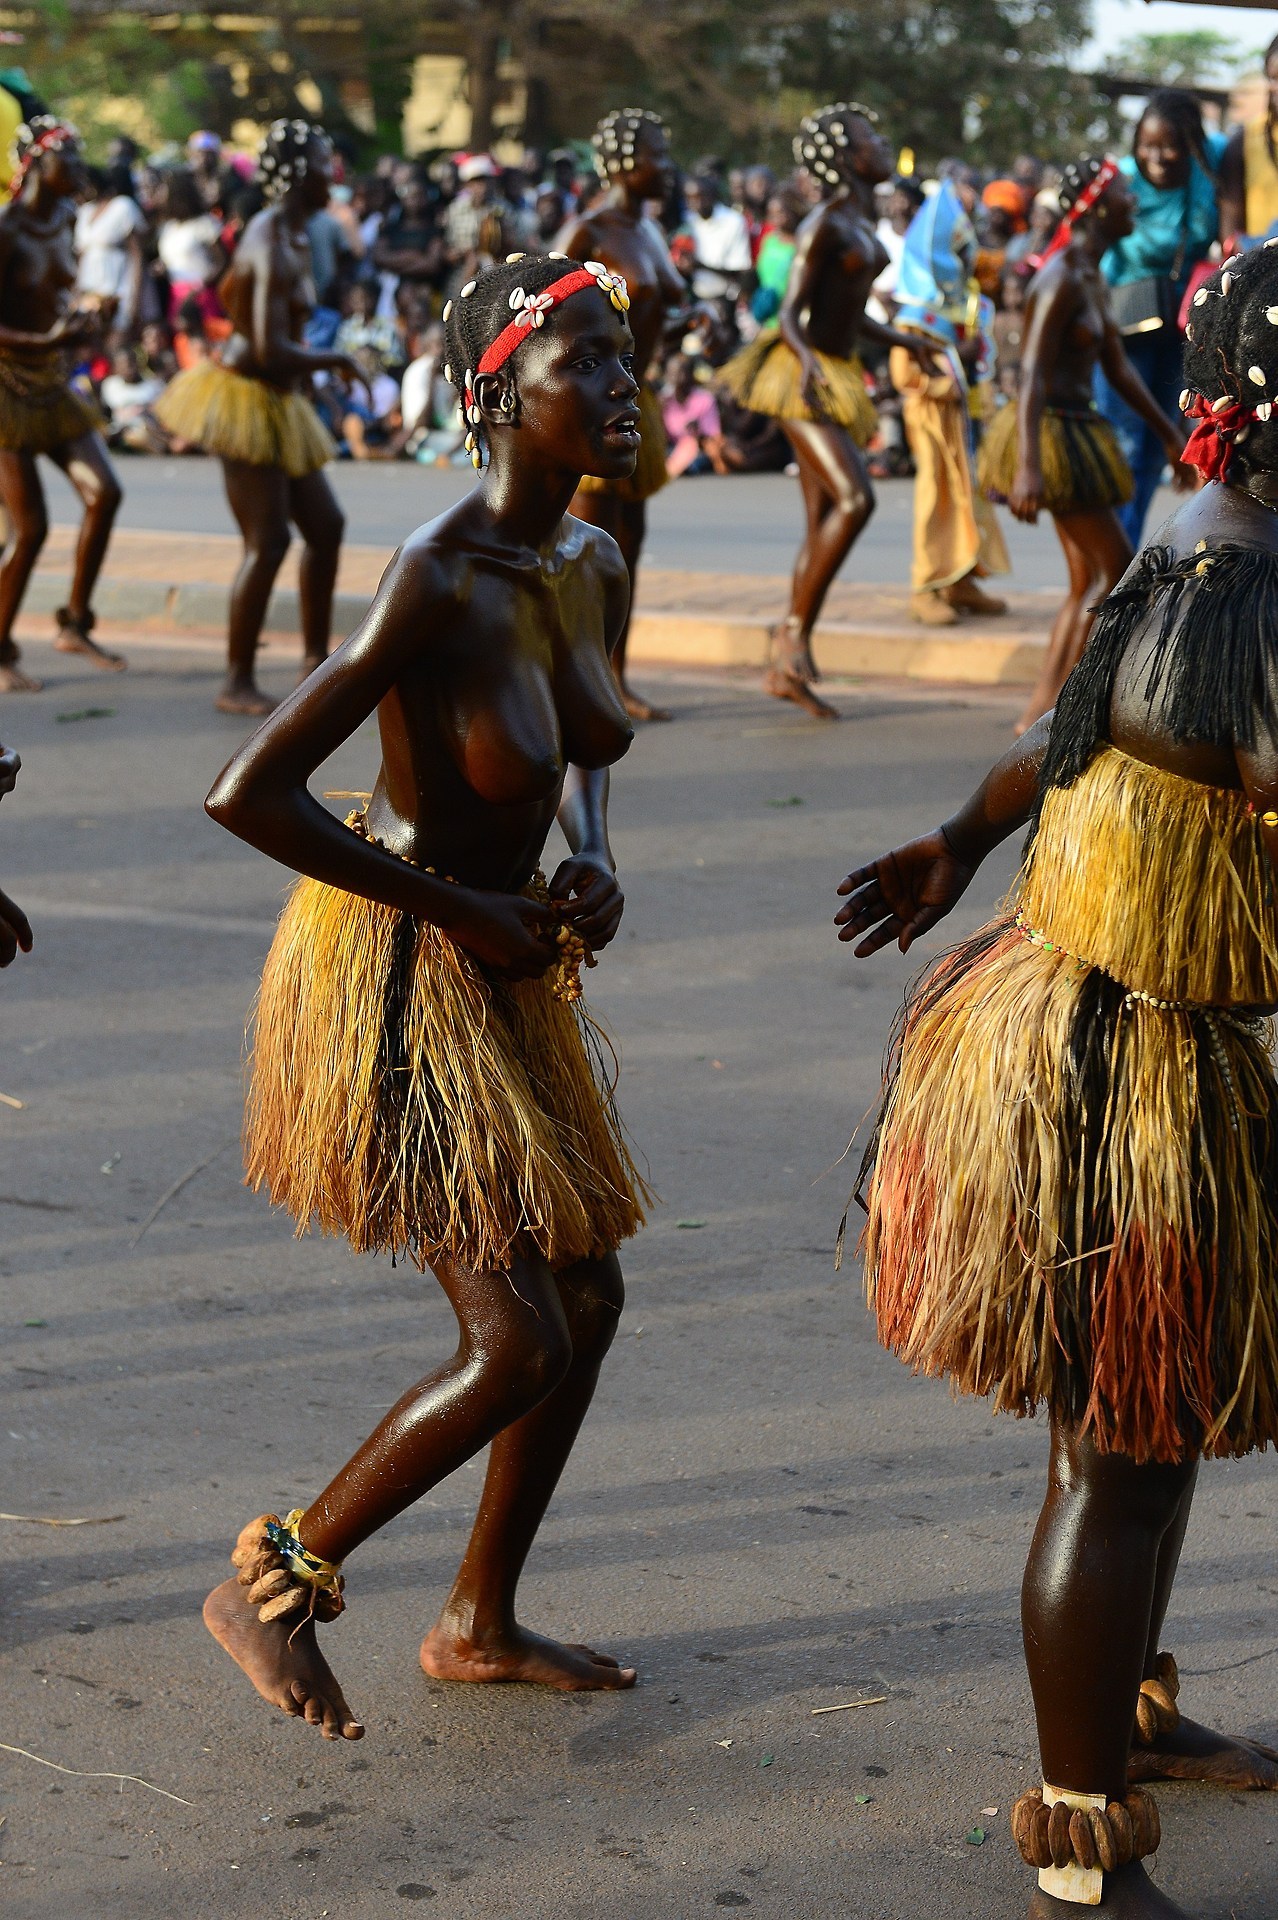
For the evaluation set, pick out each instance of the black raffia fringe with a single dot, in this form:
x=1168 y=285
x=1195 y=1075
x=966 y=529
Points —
x=1213 y=663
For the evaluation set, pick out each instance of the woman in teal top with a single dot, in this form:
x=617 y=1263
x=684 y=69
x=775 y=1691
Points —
x=1171 y=171
x=776 y=255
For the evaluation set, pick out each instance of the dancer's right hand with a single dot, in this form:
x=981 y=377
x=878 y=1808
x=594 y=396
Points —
x=15 y=930
x=507 y=932
x=1025 y=501
x=902 y=894
x=73 y=328
x=816 y=388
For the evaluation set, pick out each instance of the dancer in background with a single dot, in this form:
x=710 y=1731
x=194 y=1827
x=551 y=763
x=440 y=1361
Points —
x=250 y=408
x=1054 y=450
x=42 y=330
x=804 y=372
x=632 y=155
x=1072 y=1195
x=957 y=539
x=424 y=1078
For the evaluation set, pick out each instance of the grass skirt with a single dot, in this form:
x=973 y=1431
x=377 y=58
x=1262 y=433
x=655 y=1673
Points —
x=650 y=474
x=402 y=1098
x=1084 y=468
x=240 y=418
x=1072 y=1195
x=766 y=377
x=39 y=409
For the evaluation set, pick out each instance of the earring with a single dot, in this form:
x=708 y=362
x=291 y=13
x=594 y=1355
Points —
x=508 y=400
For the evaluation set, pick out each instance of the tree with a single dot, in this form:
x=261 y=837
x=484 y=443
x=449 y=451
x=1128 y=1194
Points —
x=1199 y=58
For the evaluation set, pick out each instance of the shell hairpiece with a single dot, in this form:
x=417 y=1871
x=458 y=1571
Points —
x=616 y=139
x=820 y=137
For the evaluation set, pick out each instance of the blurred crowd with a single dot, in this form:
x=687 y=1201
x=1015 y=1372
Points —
x=395 y=243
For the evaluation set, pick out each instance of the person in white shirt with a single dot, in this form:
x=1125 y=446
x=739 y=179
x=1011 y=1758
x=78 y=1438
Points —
x=108 y=244
x=722 y=241
x=190 y=246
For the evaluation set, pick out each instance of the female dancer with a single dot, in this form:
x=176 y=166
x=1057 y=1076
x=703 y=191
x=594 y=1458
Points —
x=1073 y=1193
x=1053 y=449
x=40 y=412
x=421 y=1080
x=249 y=408
x=632 y=156
x=805 y=373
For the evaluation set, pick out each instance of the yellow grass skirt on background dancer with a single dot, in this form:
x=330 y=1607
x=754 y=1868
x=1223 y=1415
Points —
x=1084 y=468
x=402 y=1097
x=650 y=474
x=39 y=409
x=767 y=377
x=240 y=418
x=1073 y=1193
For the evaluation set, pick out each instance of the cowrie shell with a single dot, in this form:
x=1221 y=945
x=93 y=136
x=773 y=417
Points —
x=1200 y=298
x=1271 y=313
x=1226 y=282
x=1184 y=398
x=556 y=256
x=1257 y=375
x=595 y=266
x=1218 y=406
x=1264 y=410
x=467 y=290
x=448 y=372
x=516 y=297
x=512 y=257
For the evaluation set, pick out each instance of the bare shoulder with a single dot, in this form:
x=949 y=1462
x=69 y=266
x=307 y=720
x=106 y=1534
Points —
x=593 y=548
x=579 y=237
x=431 y=570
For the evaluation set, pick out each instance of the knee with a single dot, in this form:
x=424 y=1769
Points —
x=106 y=497
x=30 y=531
x=529 y=1361
x=270 y=546
x=593 y=1299
x=855 y=501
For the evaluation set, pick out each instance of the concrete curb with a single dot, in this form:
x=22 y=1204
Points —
x=973 y=654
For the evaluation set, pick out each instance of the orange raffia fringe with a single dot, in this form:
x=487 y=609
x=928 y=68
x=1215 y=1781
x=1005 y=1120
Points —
x=400 y=1097
x=650 y=474
x=239 y=418
x=766 y=376
x=1109 y=1250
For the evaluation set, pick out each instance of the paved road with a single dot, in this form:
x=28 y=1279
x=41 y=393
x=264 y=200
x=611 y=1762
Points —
x=750 y=523
x=765 y=1512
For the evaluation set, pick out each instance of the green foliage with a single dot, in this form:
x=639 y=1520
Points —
x=1201 y=57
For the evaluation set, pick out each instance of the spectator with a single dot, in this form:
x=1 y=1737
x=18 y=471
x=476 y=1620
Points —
x=408 y=250
x=776 y=254
x=1171 y=171
x=108 y=241
x=204 y=157
x=156 y=355
x=721 y=239
x=991 y=255
x=433 y=430
x=1044 y=218
x=1009 y=331
x=473 y=225
x=1249 y=168
x=691 y=416
x=190 y=247
x=1008 y=196
x=368 y=419
x=128 y=395
x=329 y=255
x=904 y=198
x=362 y=328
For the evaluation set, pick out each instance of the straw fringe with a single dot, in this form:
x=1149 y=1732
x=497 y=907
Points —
x=39 y=409
x=1084 y=468
x=1072 y=1195
x=766 y=377
x=650 y=474
x=240 y=418
x=402 y=1099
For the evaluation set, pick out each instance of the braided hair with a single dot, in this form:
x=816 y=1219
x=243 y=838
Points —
x=482 y=310
x=282 y=157
x=1231 y=350
x=1181 y=111
x=1076 y=178
x=617 y=136
x=823 y=135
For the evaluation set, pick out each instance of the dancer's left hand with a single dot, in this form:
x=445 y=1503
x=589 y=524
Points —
x=585 y=889
x=901 y=895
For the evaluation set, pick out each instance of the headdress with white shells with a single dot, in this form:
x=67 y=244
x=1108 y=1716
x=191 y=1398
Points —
x=616 y=139
x=822 y=136
x=283 y=156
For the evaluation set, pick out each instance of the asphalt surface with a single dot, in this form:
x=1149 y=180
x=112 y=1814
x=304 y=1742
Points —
x=765 y=1512
x=749 y=523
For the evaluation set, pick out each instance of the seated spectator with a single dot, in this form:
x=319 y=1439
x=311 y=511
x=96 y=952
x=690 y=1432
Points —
x=691 y=416
x=191 y=342
x=752 y=442
x=362 y=327
x=370 y=415
x=432 y=431
x=156 y=356
x=128 y=395
x=1044 y=218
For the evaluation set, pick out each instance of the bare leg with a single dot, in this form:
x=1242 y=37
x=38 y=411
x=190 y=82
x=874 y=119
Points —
x=515 y=1348
x=627 y=522
x=838 y=500
x=1087 y=1610
x=22 y=497
x=1098 y=554
x=1191 y=1751
x=321 y=523
x=259 y=497
x=478 y=1636
x=87 y=465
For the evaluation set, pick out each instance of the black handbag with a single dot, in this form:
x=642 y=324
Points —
x=1143 y=306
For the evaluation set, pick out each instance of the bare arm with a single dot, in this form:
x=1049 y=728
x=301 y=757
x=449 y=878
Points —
x=587 y=882
x=1231 y=189
x=1125 y=380
x=274 y=349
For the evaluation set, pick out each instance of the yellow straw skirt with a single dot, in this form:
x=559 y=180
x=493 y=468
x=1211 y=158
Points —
x=1072 y=1195
x=39 y=410
x=650 y=474
x=240 y=418
x=1084 y=468
x=402 y=1098
x=766 y=377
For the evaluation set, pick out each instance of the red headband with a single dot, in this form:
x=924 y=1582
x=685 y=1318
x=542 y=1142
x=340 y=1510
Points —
x=49 y=140
x=1221 y=425
x=1109 y=170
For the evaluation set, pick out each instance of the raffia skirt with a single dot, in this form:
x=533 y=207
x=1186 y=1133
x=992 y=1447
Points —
x=1084 y=468
x=1072 y=1194
x=240 y=418
x=39 y=409
x=401 y=1097
x=650 y=474
x=766 y=377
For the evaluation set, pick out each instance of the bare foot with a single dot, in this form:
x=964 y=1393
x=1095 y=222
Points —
x=640 y=709
x=792 y=650
x=1192 y=1752
x=244 y=696
x=450 y=1654
x=1129 y=1894
x=74 y=638
x=783 y=684
x=286 y=1666
x=12 y=677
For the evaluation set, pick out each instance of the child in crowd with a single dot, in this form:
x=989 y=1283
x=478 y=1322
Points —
x=691 y=416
